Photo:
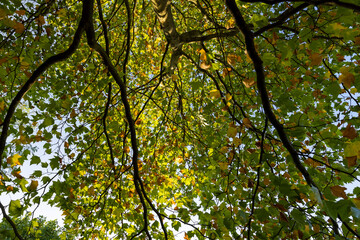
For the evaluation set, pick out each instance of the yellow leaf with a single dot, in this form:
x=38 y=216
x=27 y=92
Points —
x=215 y=93
x=2 y=106
x=352 y=149
x=24 y=65
x=178 y=160
x=338 y=191
x=62 y=12
x=14 y=160
x=205 y=66
x=237 y=141
x=33 y=185
x=203 y=55
x=228 y=97
x=2 y=13
x=223 y=165
x=337 y=26
x=224 y=149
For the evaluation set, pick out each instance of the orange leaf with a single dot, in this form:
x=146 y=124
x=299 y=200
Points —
x=17 y=174
x=283 y=217
x=205 y=66
x=338 y=191
x=351 y=161
x=73 y=113
x=347 y=79
x=151 y=217
x=249 y=82
x=33 y=185
x=186 y=237
x=247 y=122
x=126 y=149
x=19 y=27
x=267 y=181
x=20 y=12
x=350 y=132
x=357 y=41
x=316 y=228
x=316 y=59
x=40 y=20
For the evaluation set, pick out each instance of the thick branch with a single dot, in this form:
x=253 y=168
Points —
x=260 y=76
x=313 y=2
x=36 y=74
x=191 y=37
x=163 y=12
x=17 y=234
x=90 y=33
x=282 y=18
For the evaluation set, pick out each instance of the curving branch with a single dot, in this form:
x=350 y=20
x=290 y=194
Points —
x=262 y=151
x=282 y=18
x=260 y=76
x=91 y=40
x=313 y=2
x=17 y=234
x=261 y=85
x=36 y=74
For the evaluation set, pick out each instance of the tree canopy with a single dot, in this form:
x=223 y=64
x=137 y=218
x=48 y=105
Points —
x=33 y=229
x=196 y=119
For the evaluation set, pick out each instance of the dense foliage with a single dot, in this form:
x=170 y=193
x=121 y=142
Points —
x=196 y=119
x=33 y=229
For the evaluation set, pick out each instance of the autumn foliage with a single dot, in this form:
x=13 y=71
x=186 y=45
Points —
x=170 y=119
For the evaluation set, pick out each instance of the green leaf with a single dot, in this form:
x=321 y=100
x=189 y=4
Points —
x=15 y=208
x=54 y=163
x=298 y=216
x=35 y=160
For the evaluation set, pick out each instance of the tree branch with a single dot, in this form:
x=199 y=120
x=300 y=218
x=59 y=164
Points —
x=36 y=74
x=17 y=234
x=261 y=85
